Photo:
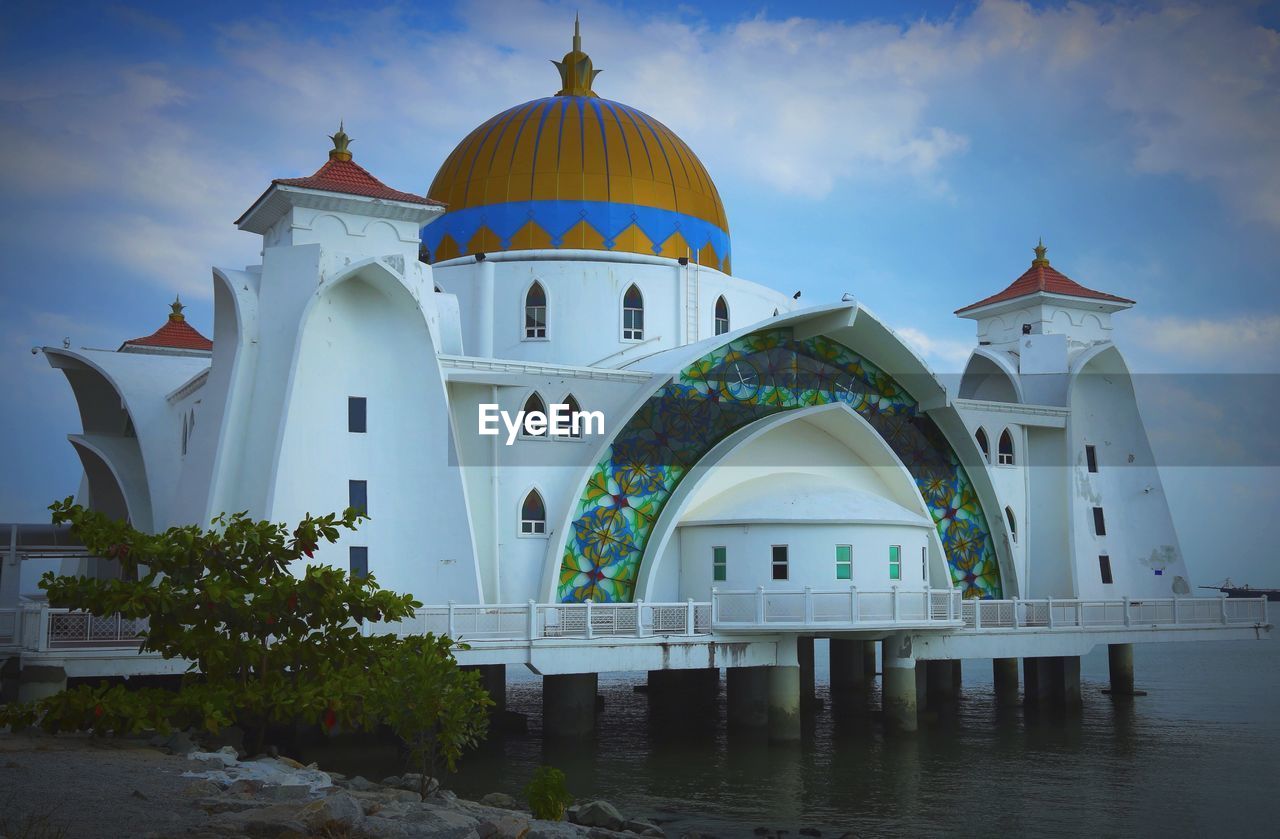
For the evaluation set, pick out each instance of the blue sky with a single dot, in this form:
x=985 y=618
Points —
x=908 y=153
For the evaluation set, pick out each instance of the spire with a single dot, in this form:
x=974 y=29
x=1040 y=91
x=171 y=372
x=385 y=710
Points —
x=340 y=144
x=576 y=72
x=1040 y=250
x=176 y=309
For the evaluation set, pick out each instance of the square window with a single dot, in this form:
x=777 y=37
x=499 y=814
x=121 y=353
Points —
x=1091 y=457
x=1159 y=572
x=719 y=564
x=780 y=569
x=356 y=417
x=1104 y=567
x=359 y=560
x=844 y=562
x=895 y=562
x=1099 y=522
x=358 y=496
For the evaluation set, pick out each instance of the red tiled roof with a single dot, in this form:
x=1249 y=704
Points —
x=349 y=178
x=176 y=334
x=1042 y=277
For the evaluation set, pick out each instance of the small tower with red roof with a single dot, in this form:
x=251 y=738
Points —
x=1044 y=301
x=176 y=337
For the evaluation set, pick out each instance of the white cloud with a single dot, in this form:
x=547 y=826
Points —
x=1227 y=344
x=943 y=354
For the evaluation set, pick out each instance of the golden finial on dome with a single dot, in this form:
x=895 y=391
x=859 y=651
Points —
x=341 y=142
x=176 y=308
x=1040 y=250
x=576 y=72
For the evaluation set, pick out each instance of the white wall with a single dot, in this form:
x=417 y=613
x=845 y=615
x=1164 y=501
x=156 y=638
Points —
x=811 y=555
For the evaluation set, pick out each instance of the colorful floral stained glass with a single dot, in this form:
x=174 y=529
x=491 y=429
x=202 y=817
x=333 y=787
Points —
x=753 y=377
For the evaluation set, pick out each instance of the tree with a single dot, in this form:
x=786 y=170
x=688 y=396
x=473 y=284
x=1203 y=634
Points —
x=266 y=645
x=433 y=705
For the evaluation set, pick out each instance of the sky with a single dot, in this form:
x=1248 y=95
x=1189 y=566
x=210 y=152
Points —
x=908 y=153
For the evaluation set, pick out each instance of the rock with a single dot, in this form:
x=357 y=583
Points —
x=501 y=800
x=276 y=820
x=245 y=787
x=337 y=776
x=292 y=764
x=393 y=781
x=231 y=737
x=201 y=789
x=286 y=792
x=359 y=782
x=643 y=827
x=436 y=823
x=539 y=829
x=597 y=814
x=339 y=808
x=810 y=831
x=503 y=827
x=179 y=743
x=222 y=804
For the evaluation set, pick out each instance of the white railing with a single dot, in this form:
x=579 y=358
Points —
x=9 y=627
x=1052 y=613
x=555 y=620
x=736 y=610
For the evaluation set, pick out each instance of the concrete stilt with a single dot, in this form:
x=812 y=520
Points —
x=943 y=684
x=1005 y=673
x=569 y=705
x=922 y=687
x=494 y=679
x=40 y=682
x=1037 y=681
x=748 y=697
x=9 y=680
x=1120 y=663
x=808 y=684
x=847 y=665
x=869 y=660
x=784 y=703
x=1070 y=669
x=899 y=694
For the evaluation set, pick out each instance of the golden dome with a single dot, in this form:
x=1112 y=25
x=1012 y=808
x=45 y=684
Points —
x=577 y=171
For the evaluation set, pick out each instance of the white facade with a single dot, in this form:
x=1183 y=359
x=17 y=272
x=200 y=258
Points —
x=341 y=308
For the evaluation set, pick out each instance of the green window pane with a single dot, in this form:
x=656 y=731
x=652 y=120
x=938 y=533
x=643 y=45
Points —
x=895 y=562
x=844 y=572
x=719 y=564
x=844 y=562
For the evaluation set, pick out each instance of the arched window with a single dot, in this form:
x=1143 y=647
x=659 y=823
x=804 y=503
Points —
x=1006 y=448
x=534 y=405
x=533 y=515
x=981 y=436
x=722 y=316
x=535 y=311
x=571 y=403
x=1013 y=525
x=633 y=315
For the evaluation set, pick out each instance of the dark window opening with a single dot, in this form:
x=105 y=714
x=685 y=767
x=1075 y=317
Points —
x=633 y=315
x=1006 y=448
x=780 y=569
x=358 y=557
x=357 y=419
x=358 y=496
x=1104 y=567
x=1091 y=457
x=534 y=404
x=535 y=312
x=1099 y=522
x=722 y=316
x=533 y=515
x=985 y=445
x=1013 y=525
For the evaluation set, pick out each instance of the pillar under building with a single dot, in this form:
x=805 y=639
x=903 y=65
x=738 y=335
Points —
x=1004 y=672
x=37 y=682
x=569 y=705
x=1120 y=665
x=493 y=678
x=1037 y=681
x=808 y=681
x=784 y=703
x=869 y=660
x=848 y=666
x=747 y=691
x=1070 y=679
x=943 y=682
x=899 y=677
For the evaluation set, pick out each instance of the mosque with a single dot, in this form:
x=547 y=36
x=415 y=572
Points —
x=573 y=258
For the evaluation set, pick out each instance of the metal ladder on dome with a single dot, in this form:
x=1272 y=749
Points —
x=691 y=300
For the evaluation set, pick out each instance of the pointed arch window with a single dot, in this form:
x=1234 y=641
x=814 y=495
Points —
x=633 y=315
x=983 y=443
x=533 y=515
x=1006 y=448
x=534 y=407
x=1013 y=523
x=535 y=312
x=722 y=315
x=575 y=428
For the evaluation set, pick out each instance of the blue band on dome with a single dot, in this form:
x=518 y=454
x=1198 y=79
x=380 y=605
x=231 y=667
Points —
x=557 y=218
